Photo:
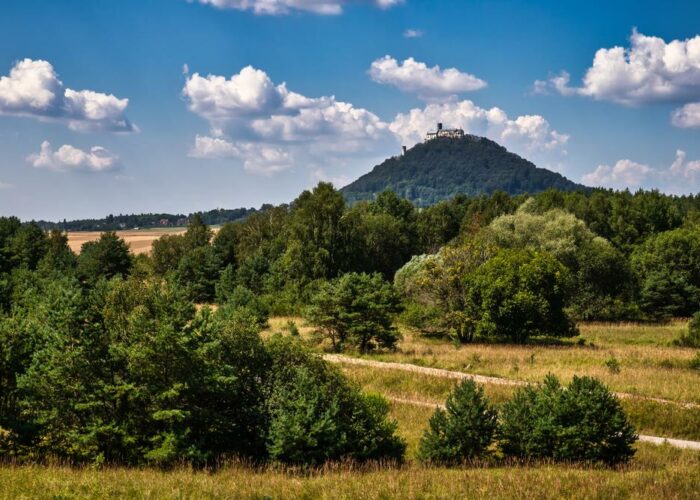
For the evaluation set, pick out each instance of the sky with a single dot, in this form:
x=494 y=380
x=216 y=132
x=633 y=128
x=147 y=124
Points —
x=177 y=106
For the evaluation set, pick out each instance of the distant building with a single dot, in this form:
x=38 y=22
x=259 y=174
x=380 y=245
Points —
x=450 y=133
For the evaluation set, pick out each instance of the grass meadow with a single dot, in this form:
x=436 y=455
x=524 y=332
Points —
x=646 y=364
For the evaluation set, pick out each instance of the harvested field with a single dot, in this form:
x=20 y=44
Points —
x=139 y=240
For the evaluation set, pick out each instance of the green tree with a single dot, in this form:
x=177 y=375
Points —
x=28 y=246
x=198 y=233
x=520 y=293
x=315 y=237
x=166 y=253
x=59 y=256
x=668 y=269
x=600 y=273
x=463 y=430
x=583 y=421
x=225 y=244
x=198 y=273
x=356 y=309
x=444 y=283
x=105 y=258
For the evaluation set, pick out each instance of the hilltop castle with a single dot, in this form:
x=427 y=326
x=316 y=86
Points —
x=451 y=133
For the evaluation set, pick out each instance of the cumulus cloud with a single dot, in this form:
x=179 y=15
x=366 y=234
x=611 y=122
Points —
x=33 y=89
x=68 y=158
x=282 y=7
x=687 y=116
x=417 y=78
x=649 y=70
x=269 y=126
x=680 y=177
x=525 y=134
x=257 y=158
x=413 y=33
x=625 y=173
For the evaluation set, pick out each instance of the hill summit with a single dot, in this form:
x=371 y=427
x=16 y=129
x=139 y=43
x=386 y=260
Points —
x=444 y=166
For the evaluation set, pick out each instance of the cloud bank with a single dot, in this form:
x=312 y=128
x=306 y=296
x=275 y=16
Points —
x=32 y=89
x=271 y=128
x=682 y=176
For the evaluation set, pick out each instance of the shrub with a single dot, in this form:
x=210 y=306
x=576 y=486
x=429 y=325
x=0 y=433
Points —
x=692 y=338
x=463 y=430
x=613 y=365
x=317 y=415
x=582 y=422
x=694 y=363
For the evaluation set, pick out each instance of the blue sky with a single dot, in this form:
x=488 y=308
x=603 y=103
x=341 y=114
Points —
x=232 y=105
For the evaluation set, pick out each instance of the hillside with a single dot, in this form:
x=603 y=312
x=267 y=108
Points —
x=443 y=167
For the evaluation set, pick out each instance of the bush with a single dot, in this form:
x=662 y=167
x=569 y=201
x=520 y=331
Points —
x=582 y=422
x=356 y=308
x=463 y=430
x=692 y=338
x=317 y=415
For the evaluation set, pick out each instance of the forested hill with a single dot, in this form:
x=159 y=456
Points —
x=439 y=169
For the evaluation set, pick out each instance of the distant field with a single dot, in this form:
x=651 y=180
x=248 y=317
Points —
x=139 y=240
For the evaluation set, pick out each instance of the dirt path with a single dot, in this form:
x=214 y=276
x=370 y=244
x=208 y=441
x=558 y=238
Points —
x=676 y=443
x=482 y=379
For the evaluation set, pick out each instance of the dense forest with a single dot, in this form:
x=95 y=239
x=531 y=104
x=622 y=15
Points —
x=144 y=221
x=107 y=357
x=442 y=168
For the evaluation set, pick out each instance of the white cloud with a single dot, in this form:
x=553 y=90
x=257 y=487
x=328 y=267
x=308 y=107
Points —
x=5 y=185
x=525 y=134
x=683 y=168
x=650 y=70
x=257 y=158
x=680 y=177
x=416 y=77
x=413 y=33
x=277 y=125
x=68 y=158
x=625 y=173
x=280 y=7
x=687 y=116
x=271 y=128
x=33 y=89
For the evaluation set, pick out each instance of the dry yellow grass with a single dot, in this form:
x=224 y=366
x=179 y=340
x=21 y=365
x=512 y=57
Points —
x=648 y=365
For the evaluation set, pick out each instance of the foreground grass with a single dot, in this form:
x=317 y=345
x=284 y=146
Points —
x=655 y=473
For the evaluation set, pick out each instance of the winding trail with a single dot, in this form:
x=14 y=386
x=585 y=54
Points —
x=482 y=379
x=439 y=372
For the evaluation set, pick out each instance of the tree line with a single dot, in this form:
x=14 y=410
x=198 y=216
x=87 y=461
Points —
x=105 y=358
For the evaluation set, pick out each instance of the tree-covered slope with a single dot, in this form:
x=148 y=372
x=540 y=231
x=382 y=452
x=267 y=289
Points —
x=441 y=168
